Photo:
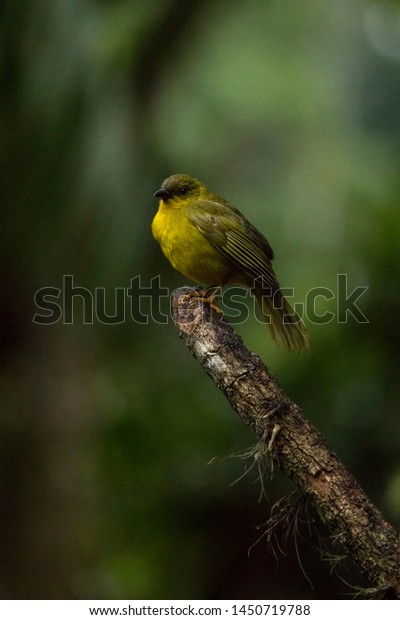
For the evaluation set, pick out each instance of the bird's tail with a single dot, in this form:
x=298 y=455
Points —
x=285 y=325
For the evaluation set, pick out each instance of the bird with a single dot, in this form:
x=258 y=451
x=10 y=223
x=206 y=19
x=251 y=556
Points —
x=211 y=242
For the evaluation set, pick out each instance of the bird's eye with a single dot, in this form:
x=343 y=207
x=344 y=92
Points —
x=183 y=191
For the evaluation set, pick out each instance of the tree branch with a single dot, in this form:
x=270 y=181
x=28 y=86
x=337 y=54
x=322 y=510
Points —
x=299 y=449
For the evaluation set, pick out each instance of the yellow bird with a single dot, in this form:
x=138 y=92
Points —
x=212 y=243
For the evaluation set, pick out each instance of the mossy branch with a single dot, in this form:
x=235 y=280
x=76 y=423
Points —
x=298 y=448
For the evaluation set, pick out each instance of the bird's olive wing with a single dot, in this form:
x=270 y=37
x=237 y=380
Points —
x=229 y=231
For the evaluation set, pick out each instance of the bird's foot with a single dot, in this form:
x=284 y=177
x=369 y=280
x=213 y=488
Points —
x=207 y=296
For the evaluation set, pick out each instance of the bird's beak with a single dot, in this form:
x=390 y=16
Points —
x=162 y=193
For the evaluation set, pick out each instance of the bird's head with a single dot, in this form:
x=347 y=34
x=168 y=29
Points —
x=180 y=187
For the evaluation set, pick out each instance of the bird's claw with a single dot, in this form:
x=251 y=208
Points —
x=207 y=296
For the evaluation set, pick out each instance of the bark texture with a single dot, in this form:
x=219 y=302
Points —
x=298 y=448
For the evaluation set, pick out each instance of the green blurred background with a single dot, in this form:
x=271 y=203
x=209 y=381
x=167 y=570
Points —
x=291 y=110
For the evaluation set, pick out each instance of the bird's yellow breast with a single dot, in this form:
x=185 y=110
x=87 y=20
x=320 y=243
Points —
x=186 y=247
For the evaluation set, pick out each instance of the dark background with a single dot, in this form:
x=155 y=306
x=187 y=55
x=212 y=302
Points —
x=291 y=110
